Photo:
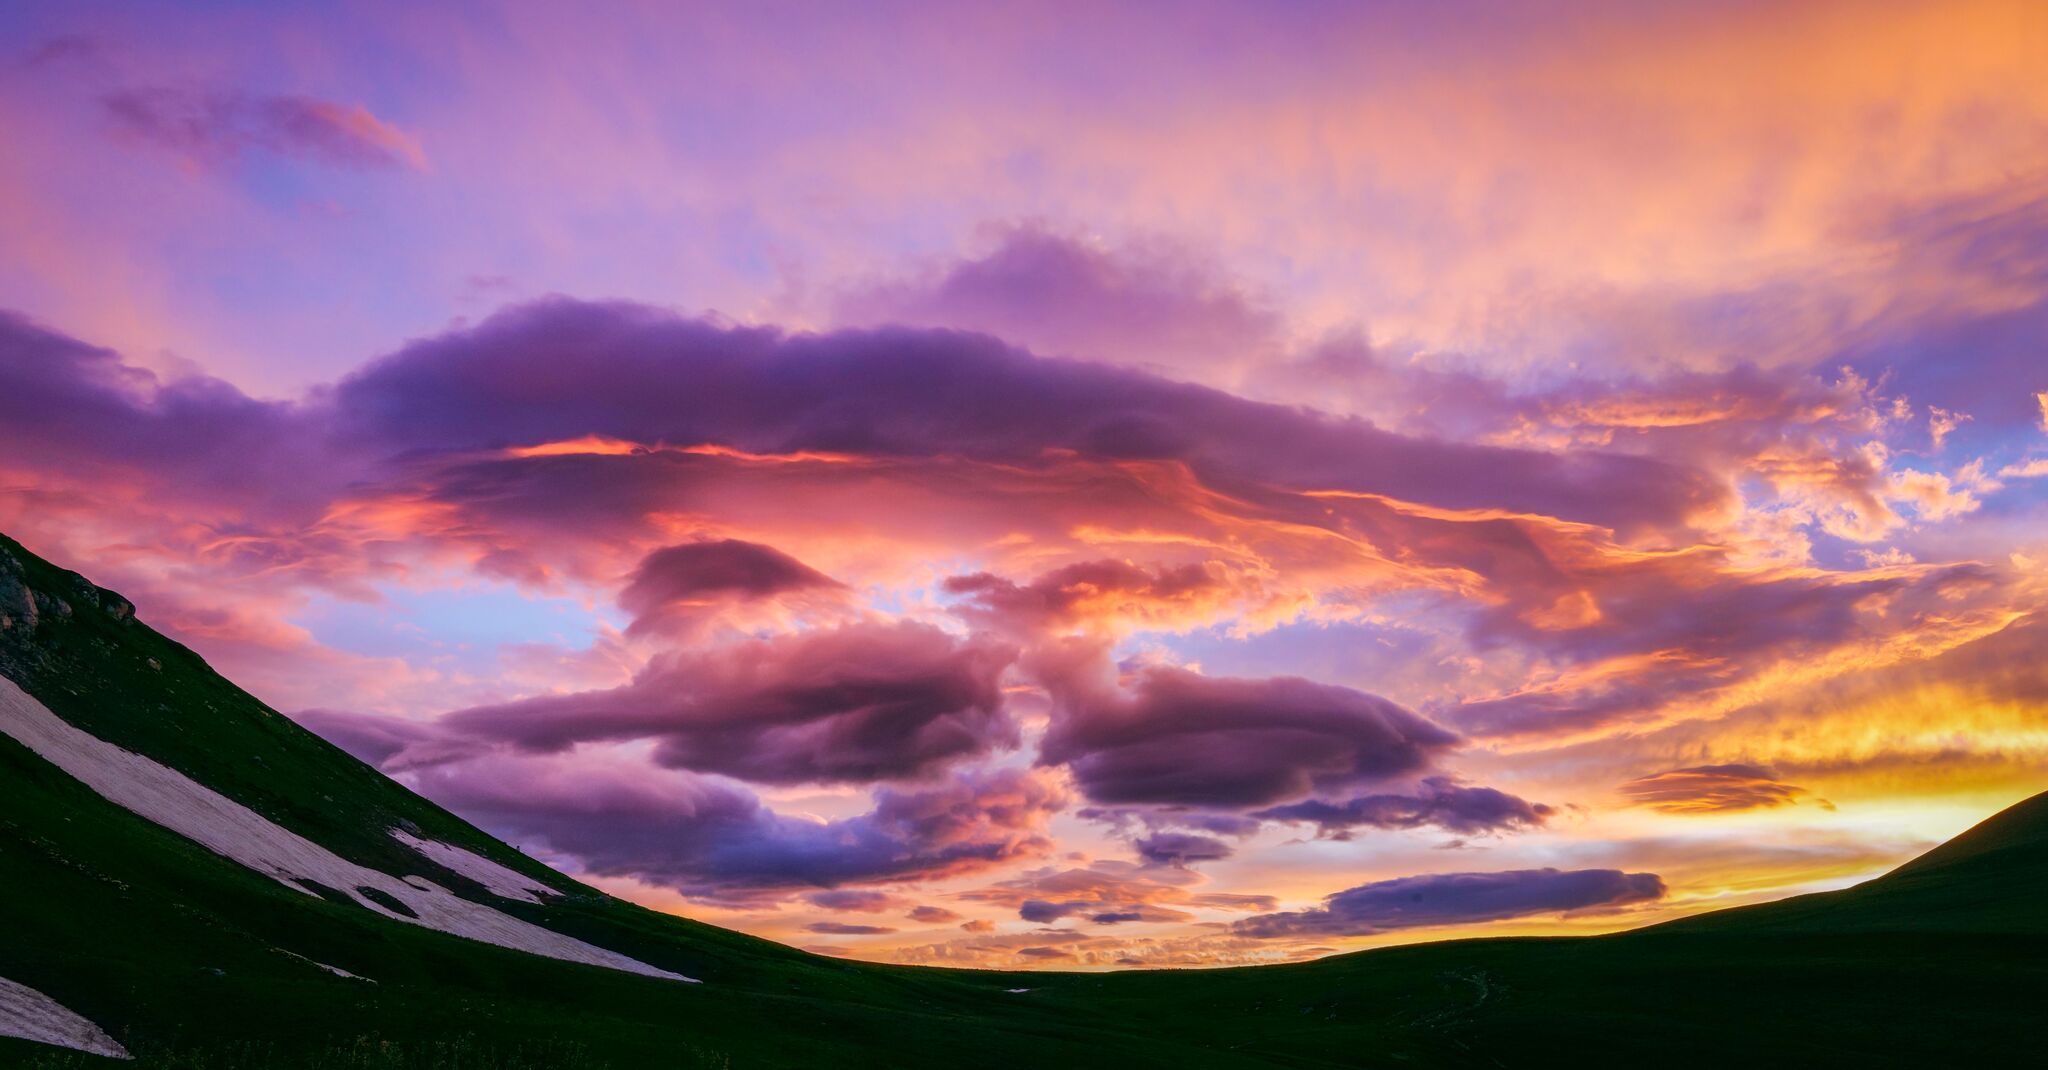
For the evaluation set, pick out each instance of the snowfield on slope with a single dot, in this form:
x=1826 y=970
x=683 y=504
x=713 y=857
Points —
x=228 y=828
x=500 y=880
x=29 y=1015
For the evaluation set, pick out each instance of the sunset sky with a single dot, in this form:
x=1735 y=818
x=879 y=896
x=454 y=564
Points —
x=1072 y=485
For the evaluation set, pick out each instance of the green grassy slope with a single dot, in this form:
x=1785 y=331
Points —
x=190 y=959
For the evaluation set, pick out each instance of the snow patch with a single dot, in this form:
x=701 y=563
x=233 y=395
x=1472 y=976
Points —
x=498 y=879
x=335 y=970
x=29 y=1015
x=234 y=831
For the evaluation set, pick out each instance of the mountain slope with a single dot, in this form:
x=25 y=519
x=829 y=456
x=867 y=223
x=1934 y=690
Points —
x=189 y=958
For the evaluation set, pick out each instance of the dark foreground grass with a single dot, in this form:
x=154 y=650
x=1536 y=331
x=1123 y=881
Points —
x=194 y=962
x=363 y=1053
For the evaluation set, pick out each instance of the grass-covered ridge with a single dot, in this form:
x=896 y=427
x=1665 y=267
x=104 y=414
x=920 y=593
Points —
x=192 y=961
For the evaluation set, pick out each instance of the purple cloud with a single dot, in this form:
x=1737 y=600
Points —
x=1457 y=899
x=1178 y=737
x=647 y=376
x=1441 y=802
x=1042 y=911
x=852 y=900
x=836 y=928
x=78 y=411
x=392 y=744
x=856 y=704
x=677 y=579
x=1158 y=818
x=1078 y=591
x=1180 y=848
x=1150 y=305
x=219 y=127
x=711 y=838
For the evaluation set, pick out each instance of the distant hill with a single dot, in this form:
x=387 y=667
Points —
x=191 y=879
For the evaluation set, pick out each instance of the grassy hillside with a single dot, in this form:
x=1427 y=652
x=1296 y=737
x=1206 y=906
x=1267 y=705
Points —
x=193 y=961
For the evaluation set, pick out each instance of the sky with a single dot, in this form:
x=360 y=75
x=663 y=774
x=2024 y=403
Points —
x=1072 y=485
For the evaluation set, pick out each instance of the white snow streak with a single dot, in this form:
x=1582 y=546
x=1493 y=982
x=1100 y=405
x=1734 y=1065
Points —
x=335 y=970
x=230 y=829
x=30 y=1015
x=498 y=879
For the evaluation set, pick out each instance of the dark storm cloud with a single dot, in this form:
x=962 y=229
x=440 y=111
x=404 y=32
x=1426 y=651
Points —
x=856 y=704
x=1455 y=899
x=1441 y=802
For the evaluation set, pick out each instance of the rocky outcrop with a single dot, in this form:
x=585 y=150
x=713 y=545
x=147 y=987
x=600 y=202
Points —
x=23 y=607
x=17 y=601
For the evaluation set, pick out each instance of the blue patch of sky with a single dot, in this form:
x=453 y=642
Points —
x=468 y=624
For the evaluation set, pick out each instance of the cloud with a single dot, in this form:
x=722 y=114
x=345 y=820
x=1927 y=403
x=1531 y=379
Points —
x=647 y=376
x=61 y=49
x=219 y=127
x=79 y=412
x=392 y=744
x=711 y=838
x=1711 y=789
x=1039 y=911
x=1168 y=735
x=835 y=928
x=1180 y=848
x=1096 y=592
x=682 y=581
x=1108 y=892
x=856 y=704
x=477 y=450
x=1668 y=636
x=1457 y=899
x=931 y=915
x=1123 y=819
x=1147 y=303
x=1441 y=802
x=853 y=900
x=2031 y=468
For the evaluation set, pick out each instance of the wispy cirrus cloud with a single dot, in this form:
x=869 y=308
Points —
x=212 y=128
x=1712 y=789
